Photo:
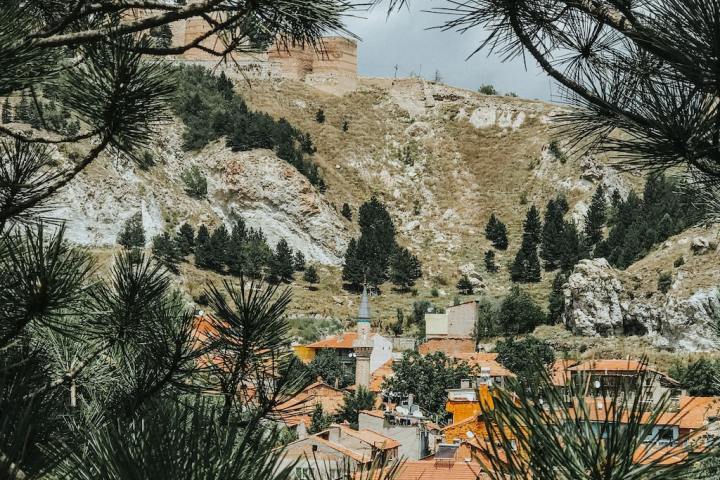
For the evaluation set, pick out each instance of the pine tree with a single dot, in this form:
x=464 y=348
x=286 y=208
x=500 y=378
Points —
x=573 y=247
x=238 y=237
x=526 y=266
x=556 y=302
x=532 y=225
x=319 y=421
x=552 y=233
x=376 y=243
x=299 y=261
x=353 y=272
x=346 y=211
x=405 y=268
x=465 y=286
x=281 y=264
x=165 y=251
x=256 y=254
x=202 y=251
x=185 y=240
x=311 y=277
x=490 y=264
x=217 y=248
x=7 y=116
x=132 y=234
x=496 y=232
x=596 y=217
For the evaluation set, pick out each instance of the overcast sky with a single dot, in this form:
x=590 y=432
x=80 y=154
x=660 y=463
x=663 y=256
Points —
x=402 y=39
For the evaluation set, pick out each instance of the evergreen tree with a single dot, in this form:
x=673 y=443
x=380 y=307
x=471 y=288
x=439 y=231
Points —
x=556 y=302
x=165 y=251
x=573 y=247
x=519 y=314
x=318 y=420
x=346 y=211
x=238 y=236
x=496 y=232
x=553 y=226
x=203 y=252
x=281 y=264
x=217 y=248
x=526 y=267
x=311 y=277
x=596 y=217
x=405 y=268
x=299 y=261
x=465 y=286
x=353 y=271
x=185 y=240
x=490 y=264
x=532 y=225
x=354 y=403
x=367 y=259
x=256 y=254
x=7 y=116
x=132 y=234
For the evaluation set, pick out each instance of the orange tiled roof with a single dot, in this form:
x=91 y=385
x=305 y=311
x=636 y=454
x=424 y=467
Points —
x=379 y=376
x=665 y=455
x=694 y=411
x=559 y=373
x=374 y=413
x=370 y=437
x=449 y=346
x=299 y=408
x=479 y=359
x=343 y=340
x=430 y=470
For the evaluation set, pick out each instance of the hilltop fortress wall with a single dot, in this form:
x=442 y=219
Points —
x=332 y=66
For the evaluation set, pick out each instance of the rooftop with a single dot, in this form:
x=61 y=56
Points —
x=342 y=340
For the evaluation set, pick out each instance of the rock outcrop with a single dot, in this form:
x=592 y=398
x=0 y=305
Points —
x=597 y=303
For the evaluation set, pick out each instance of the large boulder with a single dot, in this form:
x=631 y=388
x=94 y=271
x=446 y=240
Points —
x=597 y=303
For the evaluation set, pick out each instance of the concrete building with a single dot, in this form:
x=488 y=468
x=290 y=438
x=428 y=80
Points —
x=458 y=321
x=363 y=344
x=336 y=450
x=416 y=436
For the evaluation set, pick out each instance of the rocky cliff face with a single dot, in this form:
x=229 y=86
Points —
x=599 y=303
x=266 y=191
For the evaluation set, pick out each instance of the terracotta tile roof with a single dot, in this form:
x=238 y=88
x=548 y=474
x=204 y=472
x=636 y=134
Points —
x=694 y=411
x=374 y=413
x=343 y=340
x=665 y=455
x=370 y=437
x=449 y=346
x=613 y=365
x=378 y=376
x=479 y=360
x=429 y=470
x=300 y=407
x=559 y=373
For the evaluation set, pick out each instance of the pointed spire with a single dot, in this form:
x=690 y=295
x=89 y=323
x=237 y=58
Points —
x=364 y=313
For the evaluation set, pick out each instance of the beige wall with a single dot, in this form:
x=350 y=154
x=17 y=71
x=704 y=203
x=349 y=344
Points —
x=461 y=320
x=436 y=325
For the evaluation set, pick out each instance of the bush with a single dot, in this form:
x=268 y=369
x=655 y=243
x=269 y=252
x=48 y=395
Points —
x=320 y=116
x=524 y=356
x=699 y=378
x=346 y=211
x=557 y=152
x=132 y=234
x=465 y=286
x=679 y=262
x=146 y=160
x=487 y=89
x=519 y=314
x=434 y=292
x=664 y=282
x=195 y=182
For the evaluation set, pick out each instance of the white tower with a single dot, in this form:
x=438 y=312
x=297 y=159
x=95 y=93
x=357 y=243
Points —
x=363 y=346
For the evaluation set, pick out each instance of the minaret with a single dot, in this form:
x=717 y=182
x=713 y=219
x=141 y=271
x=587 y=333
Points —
x=363 y=345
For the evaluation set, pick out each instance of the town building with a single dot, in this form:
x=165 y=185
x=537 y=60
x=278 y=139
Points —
x=417 y=436
x=296 y=412
x=336 y=450
x=458 y=321
x=361 y=352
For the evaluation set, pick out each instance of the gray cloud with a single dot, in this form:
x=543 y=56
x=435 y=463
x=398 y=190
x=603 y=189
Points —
x=403 y=40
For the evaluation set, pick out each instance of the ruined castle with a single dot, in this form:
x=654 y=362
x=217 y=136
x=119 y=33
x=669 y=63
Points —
x=331 y=66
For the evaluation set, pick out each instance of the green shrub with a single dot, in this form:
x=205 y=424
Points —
x=195 y=182
x=664 y=282
x=487 y=89
x=679 y=262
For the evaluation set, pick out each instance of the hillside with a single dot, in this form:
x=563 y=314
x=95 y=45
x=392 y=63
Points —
x=441 y=158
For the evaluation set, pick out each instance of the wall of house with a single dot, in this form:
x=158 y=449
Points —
x=302 y=450
x=436 y=325
x=381 y=352
x=461 y=320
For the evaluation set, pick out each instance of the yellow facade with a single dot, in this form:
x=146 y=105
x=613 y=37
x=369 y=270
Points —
x=305 y=354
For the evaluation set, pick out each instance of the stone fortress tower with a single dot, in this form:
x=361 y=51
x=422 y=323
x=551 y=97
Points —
x=329 y=66
x=363 y=346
